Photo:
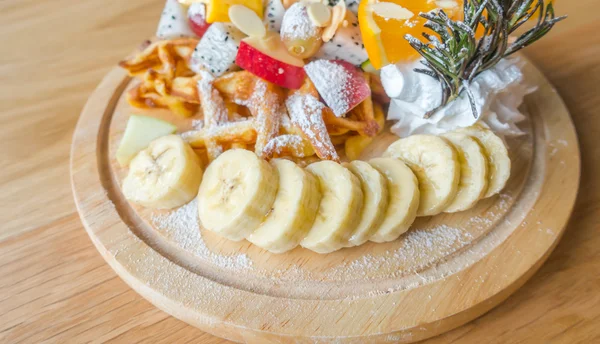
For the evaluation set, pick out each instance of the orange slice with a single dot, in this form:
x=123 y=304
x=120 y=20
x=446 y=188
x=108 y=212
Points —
x=383 y=25
x=218 y=10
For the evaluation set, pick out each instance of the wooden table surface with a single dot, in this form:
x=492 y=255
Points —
x=55 y=287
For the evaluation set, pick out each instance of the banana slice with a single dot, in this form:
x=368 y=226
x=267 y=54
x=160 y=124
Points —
x=339 y=210
x=376 y=197
x=403 y=199
x=236 y=194
x=435 y=163
x=473 y=172
x=294 y=210
x=165 y=175
x=498 y=160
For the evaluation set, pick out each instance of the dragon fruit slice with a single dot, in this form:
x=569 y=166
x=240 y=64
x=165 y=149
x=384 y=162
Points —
x=174 y=22
x=274 y=15
x=346 y=44
x=197 y=18
x=351 y=5
x=217 y=49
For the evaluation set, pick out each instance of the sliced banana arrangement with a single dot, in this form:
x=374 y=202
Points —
x=435 y=163
x=165 y=175
x=375 y=203
x=473 y=182
x=293 y=212
x=237 y=193
x=498 y=160
x=404 y=199
x=339 y=210
x=326 y=206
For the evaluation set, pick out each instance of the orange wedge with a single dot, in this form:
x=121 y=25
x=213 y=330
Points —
x=383 y=25
x=218 y=10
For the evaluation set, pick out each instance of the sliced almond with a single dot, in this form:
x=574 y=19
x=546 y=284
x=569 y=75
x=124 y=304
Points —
x=247 y=21
x=390 y=10
x=319 y=14
x=338 y=14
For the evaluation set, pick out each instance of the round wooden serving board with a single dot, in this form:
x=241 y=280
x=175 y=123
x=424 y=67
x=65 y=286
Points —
x=445 y=271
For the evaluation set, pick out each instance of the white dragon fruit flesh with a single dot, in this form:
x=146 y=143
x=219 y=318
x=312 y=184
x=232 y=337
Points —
x=346 y=44
x=217 y=49
x=174 y=22
x=274 y=15
x=351 y=5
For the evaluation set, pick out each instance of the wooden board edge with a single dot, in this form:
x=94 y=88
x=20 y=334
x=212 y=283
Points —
x=244 y=333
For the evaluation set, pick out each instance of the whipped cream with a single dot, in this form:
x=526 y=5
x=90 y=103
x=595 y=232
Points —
x=498 y=93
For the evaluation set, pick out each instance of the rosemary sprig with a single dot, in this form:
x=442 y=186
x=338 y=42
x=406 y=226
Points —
x=455 y=56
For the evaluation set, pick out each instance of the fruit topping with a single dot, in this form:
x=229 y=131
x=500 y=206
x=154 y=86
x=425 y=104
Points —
x=497 y=154
x=341 y=85
x=319 y=14
x=293 y=212
x=338 y=15
x=375 y=202
x=404 y=198
x=298 y=32
x=218 y=10
x=346 y=45
x=173 y=22
x=474 y=173
x=435 y=163
x=384 y=24
x=197 y=18
x=246 y=21
x=165 y=175
x=217 y=49
x=390 y=10
x=274 y=13
x=140 y=131
x=268 y=59
x=339 y=210
x=352 y=5
x=236 y=194
x=368 y=67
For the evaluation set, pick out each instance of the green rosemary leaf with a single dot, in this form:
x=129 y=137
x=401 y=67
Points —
x=455 y=56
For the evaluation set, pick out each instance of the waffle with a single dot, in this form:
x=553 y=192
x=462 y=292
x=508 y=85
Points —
x=240 y=110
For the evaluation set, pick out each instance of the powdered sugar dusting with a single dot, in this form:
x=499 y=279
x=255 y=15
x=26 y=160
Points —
x=306 y=112
x=296 y=23
x=332 y=81
x=182 y=227
x=262 y=103
x=197 y=124
x=266 y=108
x=280 y=144
x=213 y=105
x=419 y=257
x=421 y=245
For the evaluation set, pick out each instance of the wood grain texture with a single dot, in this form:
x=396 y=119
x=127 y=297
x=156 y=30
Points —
x=54 y=286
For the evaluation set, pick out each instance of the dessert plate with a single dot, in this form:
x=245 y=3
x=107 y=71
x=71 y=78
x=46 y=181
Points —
x=446 y=271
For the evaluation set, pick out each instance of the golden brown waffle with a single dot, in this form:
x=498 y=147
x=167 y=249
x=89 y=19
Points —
x=241 y=110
